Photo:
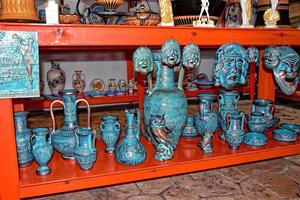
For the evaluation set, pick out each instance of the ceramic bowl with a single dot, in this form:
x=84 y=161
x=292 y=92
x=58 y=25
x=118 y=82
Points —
x=284 y=135
x=255 y=139
x=292 y=127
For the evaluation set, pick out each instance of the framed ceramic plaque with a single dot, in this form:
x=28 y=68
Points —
x=19 y=64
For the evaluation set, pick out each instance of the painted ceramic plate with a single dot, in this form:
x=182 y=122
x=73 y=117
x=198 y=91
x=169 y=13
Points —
x=97 y=85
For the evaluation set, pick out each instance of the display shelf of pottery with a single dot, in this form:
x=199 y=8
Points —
x=110 y=130
x=56 y=78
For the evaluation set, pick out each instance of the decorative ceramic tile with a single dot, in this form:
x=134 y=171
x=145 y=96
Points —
x=19 y=64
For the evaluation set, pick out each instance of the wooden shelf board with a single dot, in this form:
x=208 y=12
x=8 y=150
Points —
x=67 y=176
x=215 y=90
x=45 y=103
x=102 y=36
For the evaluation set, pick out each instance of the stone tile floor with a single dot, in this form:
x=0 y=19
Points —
x=272 y=179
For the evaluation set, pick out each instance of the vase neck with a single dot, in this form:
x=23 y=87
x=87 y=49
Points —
x=70 y=113
x=85 y=141
x=40 y=138
x=165 y=78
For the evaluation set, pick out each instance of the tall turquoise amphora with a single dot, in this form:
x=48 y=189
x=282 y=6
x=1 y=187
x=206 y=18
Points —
x=235 y=134
x=130 y=151
x=63 y=139
x=206 y=121
x=165 y=104
x=228 y=103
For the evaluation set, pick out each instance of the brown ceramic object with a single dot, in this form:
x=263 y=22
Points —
x=110 y=4
x=69 y=19
x=21 y=10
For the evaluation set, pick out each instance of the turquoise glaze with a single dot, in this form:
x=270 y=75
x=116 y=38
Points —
x=130 y=151
x=257 y=122
x=23 y=135
x=63 y=139
x=189 y=129
x=234 y=135
x=206 y=121
x=228 y=103
x=255 y=139
x=85 y=151
x=284 y=135
x=292 y=127
x=41 y=149
x=110 y=132
x=166 y=102
x=266 y=107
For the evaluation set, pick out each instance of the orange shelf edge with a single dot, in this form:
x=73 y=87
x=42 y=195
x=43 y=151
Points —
x=188 y=158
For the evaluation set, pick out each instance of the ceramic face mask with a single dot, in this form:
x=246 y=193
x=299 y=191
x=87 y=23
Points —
x=285 y=64
x=191 y=56
x=171 y=53
x=143 y=60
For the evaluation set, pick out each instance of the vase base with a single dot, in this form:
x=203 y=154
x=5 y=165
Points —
x=69 y=157
x=25 y=164
x=43 y=170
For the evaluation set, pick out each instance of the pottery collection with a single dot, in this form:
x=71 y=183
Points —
x=56 y=78
x=41 y=149
x=23 y=135
x=110 y=130
x=78 y=81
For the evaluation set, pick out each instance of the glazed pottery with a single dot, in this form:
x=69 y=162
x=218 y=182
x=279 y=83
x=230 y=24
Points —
x=284 y=61
x=235 y=134
x=255 y=139
x=284 y=135
x=230 y=66
x=56 y=78
x=131 y=86
x=206 y=121
x=266 y=107
x=110 y=130
x=130 y=151
x=23 y=135
x=41 y=149
x=228 y=103
x=85 y=151
x=292 y=127
x=112 y=86
x=78 y=81
x=21 y=10
x=165 y=105
x=110 y=5
x=63 y=139
x=257 y=122
x=189 y=129
x=122 y=85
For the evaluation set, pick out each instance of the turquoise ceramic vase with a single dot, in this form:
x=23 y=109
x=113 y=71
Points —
x=235 y=134
x=85 y=151
x=266 y=107
x=42 y=149
x=63 y=139
x=110 y=132
x=256 y=122
x=228 y=103
x=130 y=151
x=23 y=135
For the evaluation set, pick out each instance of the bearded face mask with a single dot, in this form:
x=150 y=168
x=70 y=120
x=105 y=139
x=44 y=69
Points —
x=284 y=62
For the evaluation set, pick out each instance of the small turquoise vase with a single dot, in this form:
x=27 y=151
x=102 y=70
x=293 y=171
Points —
x=235 y=134
x=266 y=107
x=85 y=151
x=110 y=130
x=206 y=121
x=228 y=103
x=42 y=149
x=189 y=129
x=23 y=135
x=63 y=139
x=130 y=151
x=256 y=122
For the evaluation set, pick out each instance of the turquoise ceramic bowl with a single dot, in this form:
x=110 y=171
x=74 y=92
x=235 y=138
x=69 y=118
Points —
x=255 y=139
x=284 y=135
x=292 y=127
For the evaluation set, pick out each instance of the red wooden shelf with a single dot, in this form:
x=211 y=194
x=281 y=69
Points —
x=66 y=175
x=215 y=90
x=53 y=37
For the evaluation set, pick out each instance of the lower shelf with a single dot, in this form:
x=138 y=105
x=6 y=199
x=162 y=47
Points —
x=67 y=176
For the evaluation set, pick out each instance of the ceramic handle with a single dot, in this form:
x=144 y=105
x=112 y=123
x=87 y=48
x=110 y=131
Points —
x=31 y=140
x=102 y=126
x=228 y=117
x=118 y=126
x=76 y=137
x=52 y=115
x=201 y=110
x=272 y=110
x=94 y=138
x=89 y=110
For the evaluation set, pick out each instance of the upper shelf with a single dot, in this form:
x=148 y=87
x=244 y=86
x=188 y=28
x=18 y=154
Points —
x=100 y=36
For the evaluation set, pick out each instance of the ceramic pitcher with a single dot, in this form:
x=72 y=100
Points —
x=256 y=122
x=42 y=149
x=110 y=131
x=63 y=139
x=234 y=135
x=23 y=135
x=266 y=107
x=85 y=151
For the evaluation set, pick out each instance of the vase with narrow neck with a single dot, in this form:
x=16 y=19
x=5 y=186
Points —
x=234 y=135
x=56 y=78
x=63 y=139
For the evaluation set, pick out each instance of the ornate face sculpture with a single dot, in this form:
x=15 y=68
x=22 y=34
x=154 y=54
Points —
x=253 y=55
x=231 y=65
x=143 y=60
x=285 y=64
x=191 y=56
x=171 y=53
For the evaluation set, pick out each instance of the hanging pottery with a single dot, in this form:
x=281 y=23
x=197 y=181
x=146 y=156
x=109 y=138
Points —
x=56 y=78
x=230 y=67
x=130 y=151
x=165 y=105
x=284 y=61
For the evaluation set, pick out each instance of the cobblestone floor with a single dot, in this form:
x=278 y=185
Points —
x=272 y=179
